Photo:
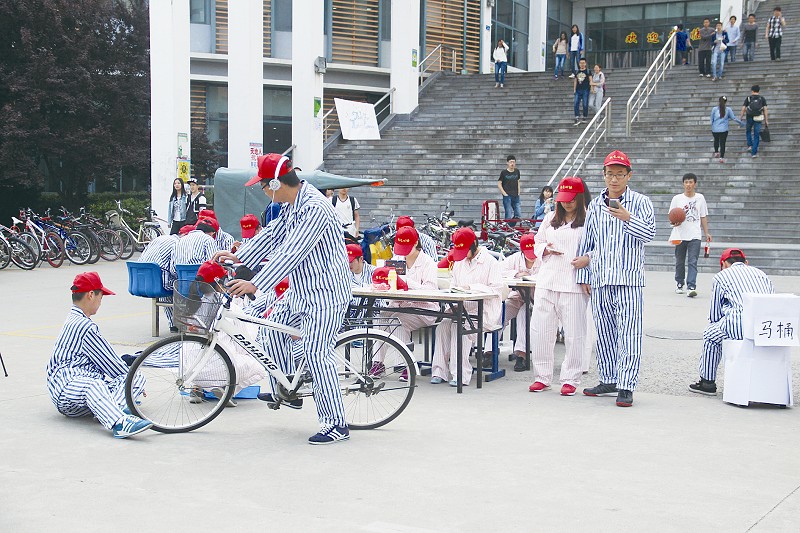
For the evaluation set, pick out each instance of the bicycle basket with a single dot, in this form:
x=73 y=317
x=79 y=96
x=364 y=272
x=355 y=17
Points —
x=197 y=311
x=113 y=219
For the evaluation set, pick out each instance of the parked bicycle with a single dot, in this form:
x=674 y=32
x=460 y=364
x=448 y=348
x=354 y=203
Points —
x=46 y=243
x=13 y=249
x=134 y=240
x=179 y=369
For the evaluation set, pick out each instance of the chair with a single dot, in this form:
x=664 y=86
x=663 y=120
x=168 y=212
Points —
x=144 y=280
x=186 y=275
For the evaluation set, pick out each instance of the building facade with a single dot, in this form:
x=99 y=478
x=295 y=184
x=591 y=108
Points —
x=260 y=75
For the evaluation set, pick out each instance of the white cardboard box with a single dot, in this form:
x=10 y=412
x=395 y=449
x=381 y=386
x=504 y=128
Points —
x=760 y=374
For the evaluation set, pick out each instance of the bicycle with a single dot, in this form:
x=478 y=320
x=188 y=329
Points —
x=77 y=248
x=134 y=240
x=13 y=249
x=178 y=368
x=47 y=244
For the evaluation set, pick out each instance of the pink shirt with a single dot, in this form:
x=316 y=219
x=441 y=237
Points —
x=421 y=276
x=557 y=272
x=482 y=274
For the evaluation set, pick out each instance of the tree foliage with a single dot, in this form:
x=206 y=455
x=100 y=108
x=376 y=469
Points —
x=74 y=94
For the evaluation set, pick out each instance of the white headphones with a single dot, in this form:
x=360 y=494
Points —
x=274 y=183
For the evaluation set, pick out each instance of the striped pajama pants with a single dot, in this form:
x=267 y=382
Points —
x=408 y=324
x=713 y=335
x=320 y=328
x=515 y=308
x=550 y=308
x=104 y=399
x=617 y=311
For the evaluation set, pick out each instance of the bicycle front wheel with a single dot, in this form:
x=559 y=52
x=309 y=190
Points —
x=373 y=400
x=54 y=248
x=110 y=244
x=77 y=248
x=5 y=253
x=179 y=375
x=22 y=254
x=127 y=244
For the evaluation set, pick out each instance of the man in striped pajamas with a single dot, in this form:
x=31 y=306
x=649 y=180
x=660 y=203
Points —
x=735 y=279
x=426 y=241
x=223 y=239
x=160 y=251
x=618 y=224
x=198 y=246
x=304 y=242
x=85 y=376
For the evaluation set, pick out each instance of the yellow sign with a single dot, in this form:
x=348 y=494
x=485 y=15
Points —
x=184 y=168
x=695 y=35
x=632 y=38
x=652 y=38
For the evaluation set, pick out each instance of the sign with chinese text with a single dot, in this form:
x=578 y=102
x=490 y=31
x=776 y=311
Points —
x=256 y=149
x=184 y=168
x=632 y=38
x=652 y=38
x=771 y=319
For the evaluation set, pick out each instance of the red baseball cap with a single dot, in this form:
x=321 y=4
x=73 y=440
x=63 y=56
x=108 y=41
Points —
x=211 y=271
x=354 y=251
x=270 y=166
x=617 y=157
x=403 y=222
x=89 y=281
x=569 y=188
x=249 y=224
x=446 y=262
x=211 y=222
x=186 y=229
x=728 y=253
x=462 y=241
x=405 y=240
x=282 y=287
x=381 y=275
x=207 y=213
x=526 y=243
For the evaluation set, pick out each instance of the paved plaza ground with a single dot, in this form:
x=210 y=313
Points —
x=495 y=459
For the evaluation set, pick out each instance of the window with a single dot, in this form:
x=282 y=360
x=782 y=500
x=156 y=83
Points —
x=282 y=15
x=510 y=23
x=198 y=12
x=704 y=8
x=386 y=20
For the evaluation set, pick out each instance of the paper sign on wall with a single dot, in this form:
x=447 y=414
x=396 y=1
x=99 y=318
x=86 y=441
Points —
x=357 y=120
x=184 y=166
x=256 y=149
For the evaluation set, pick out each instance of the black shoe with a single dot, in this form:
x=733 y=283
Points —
x=273 y=403
x=519 y=365
x=603 y=389
x=704 y=386
x=128 y=358
x=173 y=329
x=624 y=398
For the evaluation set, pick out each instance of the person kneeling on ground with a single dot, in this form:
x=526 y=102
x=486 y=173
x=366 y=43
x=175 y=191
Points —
x=85 y=375
x=728 y=287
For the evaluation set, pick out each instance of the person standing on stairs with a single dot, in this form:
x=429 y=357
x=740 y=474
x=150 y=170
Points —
x=510 y=187
x=560 y=50
x=749 y=32
x=755 y=109
x=718 y=50
x=576 y=47
x=721 y=115
x=500 y=63
x=734 y=36
x=581 y=85
x=704 y=48
x=774 y=33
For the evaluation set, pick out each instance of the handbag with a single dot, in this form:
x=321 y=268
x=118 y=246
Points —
x=765 y=136
x=723 y=47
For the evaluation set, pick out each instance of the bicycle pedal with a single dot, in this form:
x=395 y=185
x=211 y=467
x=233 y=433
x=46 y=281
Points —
x=273 y=405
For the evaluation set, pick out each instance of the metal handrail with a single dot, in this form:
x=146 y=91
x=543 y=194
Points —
x=289 y=150
x=595 y=131
x=328 y=124
x=641 y=94
x=424 y=66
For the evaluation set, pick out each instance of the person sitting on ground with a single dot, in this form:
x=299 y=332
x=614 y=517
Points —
x=522 y=264
x=421 y=274
x=85 y=375
x=426 y=241
x=728 y=288
x=475 y=269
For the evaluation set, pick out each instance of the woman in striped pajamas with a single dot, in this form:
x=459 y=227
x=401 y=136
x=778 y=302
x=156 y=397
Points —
x=304 y=243
x=85 y=376
x=558 y=297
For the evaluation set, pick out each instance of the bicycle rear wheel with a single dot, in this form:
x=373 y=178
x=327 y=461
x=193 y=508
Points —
x=110 y=244
x=127 y=244
x=94 y=245
x=77 y=248
x=148 y=234
x=373 y=401
x=54 y=249
x=177 y=374
x=22 y=254
x=5 y=254
x=33 y=242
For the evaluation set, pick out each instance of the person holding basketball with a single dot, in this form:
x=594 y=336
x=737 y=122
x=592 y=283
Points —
x=686 y=233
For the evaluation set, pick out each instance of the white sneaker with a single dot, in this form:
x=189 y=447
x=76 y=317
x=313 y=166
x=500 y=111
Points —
x=501 y=86
x=572 y=75
x=496 y=85
x=679 y=289
x=692 y=293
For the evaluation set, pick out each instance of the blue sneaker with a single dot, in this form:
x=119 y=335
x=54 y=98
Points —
x=331 y=435
x=130 y=426
x=436 y=380
x=272 y=401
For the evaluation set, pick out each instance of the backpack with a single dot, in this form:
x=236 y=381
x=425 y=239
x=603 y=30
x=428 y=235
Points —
x=352 y=204
x=755 y=106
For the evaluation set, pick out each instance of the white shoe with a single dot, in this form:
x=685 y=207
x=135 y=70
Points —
x=679 y=290
x=501 y=85
x=496 y=85
x=572 y=75
x=692 y=293
x=219 y=394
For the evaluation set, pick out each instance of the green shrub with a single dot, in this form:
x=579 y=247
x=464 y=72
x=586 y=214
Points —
x=136 y=203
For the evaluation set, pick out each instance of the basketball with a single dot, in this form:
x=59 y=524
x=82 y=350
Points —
x=676 y=216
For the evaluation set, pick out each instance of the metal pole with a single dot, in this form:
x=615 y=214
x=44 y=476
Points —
x=464 y=42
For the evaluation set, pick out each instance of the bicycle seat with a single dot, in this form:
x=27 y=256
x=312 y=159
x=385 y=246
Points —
x=466 y=223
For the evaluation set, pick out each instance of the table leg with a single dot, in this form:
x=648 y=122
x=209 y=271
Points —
x=459 y=344
x=480 y=344
x=528 y=312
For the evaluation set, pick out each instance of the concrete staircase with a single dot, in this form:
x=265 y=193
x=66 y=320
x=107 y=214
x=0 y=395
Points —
x=453 y=148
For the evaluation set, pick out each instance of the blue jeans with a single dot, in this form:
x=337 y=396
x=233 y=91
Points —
x=717 y=59
x=560 y=58
x=753 y=127
x=730 y=54
x=581 y=96
x=574 y=59
x=687 y=250
x=511 y=207
x=500 y=71
x=749 y=51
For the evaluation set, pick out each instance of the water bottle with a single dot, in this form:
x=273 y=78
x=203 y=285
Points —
x=392 y=278
x=707 y=251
